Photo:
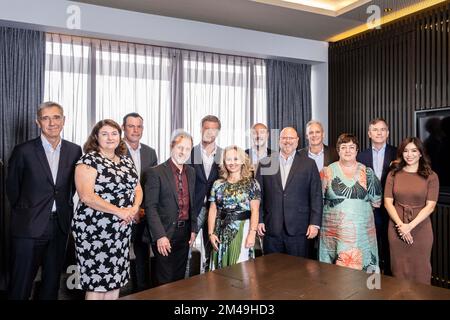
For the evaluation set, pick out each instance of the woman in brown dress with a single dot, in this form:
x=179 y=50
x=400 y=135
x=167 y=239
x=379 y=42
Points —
x=410 y=195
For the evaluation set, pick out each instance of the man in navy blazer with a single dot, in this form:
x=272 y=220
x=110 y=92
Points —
x=291 y=199
x=40 y=186
x=379 y=157
x=323 y=156
x=205 y=159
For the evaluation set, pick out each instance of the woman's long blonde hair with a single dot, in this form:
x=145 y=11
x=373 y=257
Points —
x=245 y=169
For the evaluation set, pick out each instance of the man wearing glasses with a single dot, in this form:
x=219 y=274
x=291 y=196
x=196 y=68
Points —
x=379 y=157
x=40 y=187
x=291 y=199
x=143 y=157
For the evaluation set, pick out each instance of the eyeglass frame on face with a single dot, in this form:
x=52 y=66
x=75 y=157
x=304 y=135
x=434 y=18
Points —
x=352 y=147
x=56 y=117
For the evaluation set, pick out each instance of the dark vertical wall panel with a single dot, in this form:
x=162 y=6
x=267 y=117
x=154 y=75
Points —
x=391 y=73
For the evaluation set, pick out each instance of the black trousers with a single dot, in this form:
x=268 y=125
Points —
x=27 y=254
x=173 y=267
x=381 y=224
x=142 y=253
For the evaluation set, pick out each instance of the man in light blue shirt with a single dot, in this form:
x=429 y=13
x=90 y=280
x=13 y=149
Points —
x=379 y=157
x=316 y=149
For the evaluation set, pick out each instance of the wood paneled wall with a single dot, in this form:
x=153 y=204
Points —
x=391 y=73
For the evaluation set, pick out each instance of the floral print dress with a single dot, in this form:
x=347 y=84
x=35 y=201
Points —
x=102 y=242
x=348 y=235
x=232 y=199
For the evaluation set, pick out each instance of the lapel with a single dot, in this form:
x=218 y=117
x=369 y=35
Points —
x=370 y=155
x=191 y=179
x=43 y=159
x=387 y=159
x=275 y=162
x=215 y=165
x=294 y=168
x=169 y=176
x=198 y=161
x=62 y=160
x=326 y=155
x=143 y=158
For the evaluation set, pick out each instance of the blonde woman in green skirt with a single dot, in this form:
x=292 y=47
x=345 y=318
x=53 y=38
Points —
x=234 y=210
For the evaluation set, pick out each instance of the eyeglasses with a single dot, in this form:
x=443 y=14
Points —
x=351 y=148
x=54 y=118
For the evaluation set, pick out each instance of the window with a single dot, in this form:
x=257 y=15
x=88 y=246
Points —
x=98 y=79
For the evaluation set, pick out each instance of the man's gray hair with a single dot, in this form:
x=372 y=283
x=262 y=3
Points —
x=310 y=123
x=49 y=104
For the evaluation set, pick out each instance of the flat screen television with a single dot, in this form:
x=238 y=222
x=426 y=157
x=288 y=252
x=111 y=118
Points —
x=433 y=128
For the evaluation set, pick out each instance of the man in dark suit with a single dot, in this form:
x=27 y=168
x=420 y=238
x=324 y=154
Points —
x=323 y=156
x=259 y=149
x=40 y=187
x=379 y=157
x=169 y=197
x=291 y=199
x=143 y=157
x=205 y=159
x=316 y=149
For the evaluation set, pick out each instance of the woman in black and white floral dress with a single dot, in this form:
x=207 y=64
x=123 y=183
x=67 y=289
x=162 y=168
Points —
x=110 y=195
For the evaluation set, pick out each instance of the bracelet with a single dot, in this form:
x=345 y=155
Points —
x=254 y=230
x=209 y=235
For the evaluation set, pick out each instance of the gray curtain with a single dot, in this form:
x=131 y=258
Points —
x=22 y=71
x=288 y=96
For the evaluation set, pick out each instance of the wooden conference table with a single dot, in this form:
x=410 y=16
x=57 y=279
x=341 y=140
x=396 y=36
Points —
x=279 y=276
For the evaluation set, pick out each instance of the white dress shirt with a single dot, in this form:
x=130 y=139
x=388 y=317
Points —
x=53 y=159
x=136 y=156
x=285 y=167
x=207 y=160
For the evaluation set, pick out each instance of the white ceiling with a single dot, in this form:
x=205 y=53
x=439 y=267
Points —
x=272 y=16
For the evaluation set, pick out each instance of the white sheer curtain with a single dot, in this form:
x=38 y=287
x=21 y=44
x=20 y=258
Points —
x=232 y=88
x=171 y=88
x=136 y=78
x=98 y=79
x=67 y=82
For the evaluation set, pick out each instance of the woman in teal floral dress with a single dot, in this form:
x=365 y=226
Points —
x=234 y=211
x=348 y=236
